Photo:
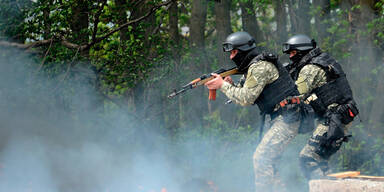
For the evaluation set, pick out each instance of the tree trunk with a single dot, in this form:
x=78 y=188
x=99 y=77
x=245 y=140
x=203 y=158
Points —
x=174 y=123
x=223 y=27
x=377 y=112
x=304 y=18
x=197 y=29
x=122 y=18
x=146 y=27
x=374 y=58
x=248 y=18
x=197 y=42
x=323 y=11
x=173 y=23
x=150 y=22
x=299 y=16
x=197 y=25
x=292 y=16
x=47 y=22
x=174 y=32
x=124 y=36
x=365 y=60
x=281 y=20
x=79 y=23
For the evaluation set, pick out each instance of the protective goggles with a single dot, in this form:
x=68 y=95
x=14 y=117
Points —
x=227 y=47
x=289 y=47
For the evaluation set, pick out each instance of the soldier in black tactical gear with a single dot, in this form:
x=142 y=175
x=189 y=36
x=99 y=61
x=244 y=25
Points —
x=322 y=83
x=268 y=84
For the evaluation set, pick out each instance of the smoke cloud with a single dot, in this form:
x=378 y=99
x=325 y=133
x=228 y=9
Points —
x=55 y=136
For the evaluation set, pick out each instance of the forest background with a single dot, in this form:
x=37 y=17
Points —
x=84 y=85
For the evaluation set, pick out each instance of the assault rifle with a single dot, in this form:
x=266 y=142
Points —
x=203 y=79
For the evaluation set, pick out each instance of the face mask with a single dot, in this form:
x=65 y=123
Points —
x=239 y=58
x=296 y=58
x=299 y=55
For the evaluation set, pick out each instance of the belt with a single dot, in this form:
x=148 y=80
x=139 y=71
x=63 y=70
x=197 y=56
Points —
x=282 y=104
x=291 y=100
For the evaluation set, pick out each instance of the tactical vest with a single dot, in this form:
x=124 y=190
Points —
x=276 y=91
x=336 y=90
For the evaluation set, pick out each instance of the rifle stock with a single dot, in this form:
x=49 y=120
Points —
x=203 y=79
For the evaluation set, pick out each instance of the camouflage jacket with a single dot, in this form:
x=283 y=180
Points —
x=259 y=74
x=310 y=77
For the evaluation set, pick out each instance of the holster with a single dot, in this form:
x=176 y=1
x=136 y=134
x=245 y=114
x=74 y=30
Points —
x=348 y=112
x=335 y=119
x=326 y=148
x=334 y=122
x=332 y=140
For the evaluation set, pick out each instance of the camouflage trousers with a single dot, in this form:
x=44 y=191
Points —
x=270 y=149
x=314 y=165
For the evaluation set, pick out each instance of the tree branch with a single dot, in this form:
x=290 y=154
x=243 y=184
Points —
x=45 y=56
x=95 y=40
x=25 y=46
x=137 y=3
x=70 y=45
x=153 y=9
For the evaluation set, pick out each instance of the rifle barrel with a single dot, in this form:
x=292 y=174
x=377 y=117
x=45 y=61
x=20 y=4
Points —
x=202 y=80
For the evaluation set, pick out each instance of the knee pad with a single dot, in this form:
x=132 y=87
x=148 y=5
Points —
x=324 y=147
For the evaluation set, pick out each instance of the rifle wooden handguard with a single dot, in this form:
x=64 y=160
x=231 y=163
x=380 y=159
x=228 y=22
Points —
x=202 y=80
x=223 y=74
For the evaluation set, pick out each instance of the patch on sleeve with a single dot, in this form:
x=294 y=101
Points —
x=302 y=85
x=259 y=74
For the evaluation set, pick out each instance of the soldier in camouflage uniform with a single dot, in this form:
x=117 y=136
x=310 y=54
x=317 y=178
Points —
x=267 y=84
x=322 y=83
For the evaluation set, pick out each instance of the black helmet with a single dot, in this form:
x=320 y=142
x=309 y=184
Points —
x=299 y=43
x=239 y=40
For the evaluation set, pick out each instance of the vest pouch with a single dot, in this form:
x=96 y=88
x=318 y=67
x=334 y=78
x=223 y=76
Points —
x=290 y=113
x=335 y=128
x=334 y=72
x=327 y=147
x=348 y=112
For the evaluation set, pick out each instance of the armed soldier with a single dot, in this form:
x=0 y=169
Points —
x=268 y=84
x=323 y=84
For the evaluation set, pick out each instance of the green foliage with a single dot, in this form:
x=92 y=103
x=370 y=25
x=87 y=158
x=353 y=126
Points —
x=142 y=63
x=122 y=65
x=376 y=26
x=338 y=39
x=12 y=15
x=46 y=19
